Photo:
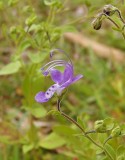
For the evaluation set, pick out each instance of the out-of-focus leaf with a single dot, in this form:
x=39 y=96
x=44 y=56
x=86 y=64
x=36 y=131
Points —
x=64 y=130
x=24 y=45
x=37 y=110
x=27 y=148
x=53 y=112
x=49 y=2
x=110 y=150
x=52 y=141
x=122 y=130
x=37 y=58
x=10 y=68
x=109 y=122
x=80 y=122
x=116 y=131
x=12 y=2
x=121 y=152
x=30 y=20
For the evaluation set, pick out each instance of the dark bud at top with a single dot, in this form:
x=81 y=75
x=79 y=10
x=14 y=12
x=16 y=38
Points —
x=109 y=9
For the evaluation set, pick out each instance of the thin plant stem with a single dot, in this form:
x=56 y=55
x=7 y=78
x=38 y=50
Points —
x=110 y=20
x=89 y=132
x=120 y=16
x=115 y=23
x=84 y=133
x=110 y=137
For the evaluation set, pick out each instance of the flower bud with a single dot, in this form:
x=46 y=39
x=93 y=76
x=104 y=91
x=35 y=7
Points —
x=109 y=9
x=97 y=22
x=100 y=126
x=116 y=131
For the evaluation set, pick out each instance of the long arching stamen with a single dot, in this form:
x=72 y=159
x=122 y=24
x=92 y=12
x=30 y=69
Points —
x=54 y=61
x=60 y=50
x=46 y=72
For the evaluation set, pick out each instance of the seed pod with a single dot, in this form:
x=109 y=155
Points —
x=109 y=9
x=116 y=132
x=97 y=22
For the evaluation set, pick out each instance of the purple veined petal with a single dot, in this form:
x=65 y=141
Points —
x=76 y=78
x=41 y=98
x=66 y=84
x=70 y=81
x=68 y=73
x=56 y=76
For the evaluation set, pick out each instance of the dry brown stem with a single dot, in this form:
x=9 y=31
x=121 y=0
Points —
x=99 y=49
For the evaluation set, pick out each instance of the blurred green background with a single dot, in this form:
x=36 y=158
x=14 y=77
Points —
x=29 y=30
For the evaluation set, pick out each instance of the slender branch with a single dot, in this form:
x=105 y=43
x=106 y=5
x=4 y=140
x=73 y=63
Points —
x=89 y=132
x=116 y=23
x=110 y=137
x=120 y=16
x=84 y=133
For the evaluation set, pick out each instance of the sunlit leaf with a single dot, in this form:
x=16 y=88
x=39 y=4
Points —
x=52 y=141
x=10 y=68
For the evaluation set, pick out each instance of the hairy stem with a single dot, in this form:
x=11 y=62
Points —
x=83 y=131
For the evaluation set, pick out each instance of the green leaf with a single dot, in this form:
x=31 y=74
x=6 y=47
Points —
x=121 y=152
x=12 y=2
x=27 y=148
x=38 y=111
x=30 y=20
x=116 y=131
x=52 y=141
x=80 y=122
x=37 y=58
x=10 y=68
x=110 y=150
x=122 y=130
x=25 y=44
x=64 y=130
x=109 y=122
x=53 y=112
x=50 y=2
x=116 y=29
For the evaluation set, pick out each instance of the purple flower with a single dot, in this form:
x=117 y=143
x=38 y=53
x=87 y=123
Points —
x=62 y=80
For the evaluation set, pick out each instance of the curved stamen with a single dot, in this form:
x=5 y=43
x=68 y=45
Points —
x=54 y=61
x=57 y=49
x=46 y=72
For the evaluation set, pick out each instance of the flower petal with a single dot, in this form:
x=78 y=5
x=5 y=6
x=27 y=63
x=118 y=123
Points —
x=40 y=97
x=68 y=73
x=56 y=76
x=70 y=81
x=66 y=84
x=76 y=78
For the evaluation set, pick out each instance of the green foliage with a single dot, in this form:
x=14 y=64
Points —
x=27 y=35
x=52 y=141
x=11 y=68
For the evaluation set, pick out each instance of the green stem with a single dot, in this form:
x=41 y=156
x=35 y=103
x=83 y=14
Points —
x=120 y=16
x=87 y=136
x=110 y=137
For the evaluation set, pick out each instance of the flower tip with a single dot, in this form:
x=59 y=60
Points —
x=45 y=73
